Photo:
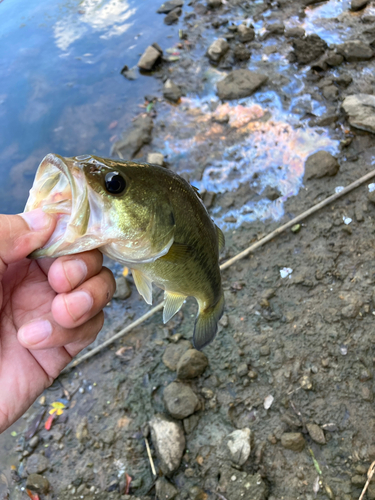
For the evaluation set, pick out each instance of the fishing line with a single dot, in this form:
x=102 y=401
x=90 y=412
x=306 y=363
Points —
x=226 y=264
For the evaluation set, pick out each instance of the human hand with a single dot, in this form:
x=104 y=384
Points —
x=50 y=310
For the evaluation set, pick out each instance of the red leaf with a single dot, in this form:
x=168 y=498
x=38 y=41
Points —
x=49 y=421
x=32 y=495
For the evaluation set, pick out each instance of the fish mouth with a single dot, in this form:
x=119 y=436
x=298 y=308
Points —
x=60 y=188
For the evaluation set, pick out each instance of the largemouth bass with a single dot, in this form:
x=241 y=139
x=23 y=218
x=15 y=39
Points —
x=145 y=217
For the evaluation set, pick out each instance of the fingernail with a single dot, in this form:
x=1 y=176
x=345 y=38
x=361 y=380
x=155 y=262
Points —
x=78 y=304
x=75 y=271
x=37 y=219
x=34 y=332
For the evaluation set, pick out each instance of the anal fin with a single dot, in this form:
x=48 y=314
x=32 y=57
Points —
x=143 y=284
x=205 y=327
x=172 y=304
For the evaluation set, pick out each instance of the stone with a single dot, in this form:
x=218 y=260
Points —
x=173 y=353
x=150 y=56
x=171 y=91
x=321 y=164
x=214 y=4
x=271 y=193
x=242 y=369
x=241 y=52
x=330 y=92
x=296 y=32
x=361 y=111
x=333 y=59
x=130 y=74
x=355 y=50
x=169 y=442
x=190 y=423
x=217 y=49
x=155 y=159
x=274 y=29
x=164 y=489
x=316 y=433
x=33 y=443
x=180 y=400
x=308 y=49
x=240 y=83
x=192 y=364
x=293 y=441
x=245 y=33
x=172 y=17
x=236 y=485
x=134 y=138
x=238 y=444
x=343 y=80
x=37 y=483
x=108 y=436
x=167 y=7
x=37 y=464
x=358 y=4
x=123 y=290
x=82 y=431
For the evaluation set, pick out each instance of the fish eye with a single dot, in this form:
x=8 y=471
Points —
x=115 y=183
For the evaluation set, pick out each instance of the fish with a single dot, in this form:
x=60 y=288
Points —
x=143 y=216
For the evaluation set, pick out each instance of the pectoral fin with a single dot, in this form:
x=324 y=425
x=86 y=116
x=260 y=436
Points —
x=220 y=238
x=143 y=284
x=172 y=304
x=177 y=253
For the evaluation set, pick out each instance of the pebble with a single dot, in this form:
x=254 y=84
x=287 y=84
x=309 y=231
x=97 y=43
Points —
x=355 y=50
x=358 y=480
x=321 y=164
x=155 y=159
x=37 y=483
x=296 y=32
x=164 y=489
x=308 y=49
x=245 y=33
x=82 y=431
x=149 y=58
x=171 y=91
x=238 y=443
x=123 y=290
x=37 y=464
x=293 y=441
x=172 y=17
x=242 y=369
x=190 y=423
x=169 y=442
x=174 y=352
x=33 y=443
x=305 y=383
x=180 y=400
x=192 y=364
x=241 y=52
x=316 y=433
x=361 y=111
x=217 y=49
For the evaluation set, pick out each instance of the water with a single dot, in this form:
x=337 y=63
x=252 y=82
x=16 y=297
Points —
x=61 y=89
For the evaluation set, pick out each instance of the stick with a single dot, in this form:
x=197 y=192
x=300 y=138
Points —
x=227 y=264
x=370 y=473
x=150 y=457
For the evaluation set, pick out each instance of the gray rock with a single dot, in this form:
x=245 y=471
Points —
x=355 y=50
x=238 y=443
x=214 y=4
x=130 y=74
x=169 y=442
x=173 y=353
x=171 y=91
x=238 y=485
x=316 y=433
x=308 y=49
x=164 y=489
x=333 y=59
x=134 y=138
x=37 y=464
x=190 y=423
x=358 y=4
x=33 y=443
x=37 y=483
x=217 y=49
x=361 y=111
x=180 y=400
x=343 y=80
x=245 y=33
x=123 y=290
x=240 y=83
x=293 y=441
x=167 y=7
x=241 y=52
x=330 y=92
x=155 y=159
x=321 y=164
x=271 y=193
x=273 y=29
x=150 y=56
x=172 y=17
x=192 y=364
x=296 y=32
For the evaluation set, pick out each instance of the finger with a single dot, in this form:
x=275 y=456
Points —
x=66 y=273
x=22 y=234
x=45 y=333
x=73 y=309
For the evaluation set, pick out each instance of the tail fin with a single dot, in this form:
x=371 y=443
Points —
x=205 y=327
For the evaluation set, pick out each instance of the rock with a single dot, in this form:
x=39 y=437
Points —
x=236 y=485
x=108 y=436
x=296 y=32
x=361 y=111
x=293 y=441
x=245 y=33
x=330 y=92
x=167 y=7
x=123 y=290
x=242 y=369
x=33 y=443
x=164 y=489
x=155 y=159
x=190 y=423
x=274 y=29
x=130 y=74
x=241 y=52
x=37 y=464
x=308 y=49
x=82 y=431
x=358 y=4
x=238 y=443
x=37 y=483
x=150 y=56
x=240 y=83
x=214 y=4
x=271 y=193
x=321 y=164
x=343 y=80
x=171 y=91
x=192 y=364
x=173 y=353
x=316 y=433
x=172 y=17
x=134 y=138
x=180 y=400
x=217 y=49
x=169 y=442
x=333 y=59
x=355 y=50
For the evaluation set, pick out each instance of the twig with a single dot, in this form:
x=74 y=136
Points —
x=370 y=473
x=150 y=457
x=227 y=264
x=219 y=495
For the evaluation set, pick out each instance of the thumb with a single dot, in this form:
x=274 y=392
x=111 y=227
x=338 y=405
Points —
x=22 y=234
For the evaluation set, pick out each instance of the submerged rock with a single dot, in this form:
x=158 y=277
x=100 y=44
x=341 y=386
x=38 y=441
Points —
x=293 y=441
x=321 y=164
x=192 y=364
x=149 y=58
x=217 y=49
x=173 y=16
x=169 y=441
x=134 y=138
x=171 y=91
x=37 y=483
x=164 y=489
x=360 y=109
x=245 y=33
x=240 y=83
x=355 y=50
x=167 y=7
x=308 y=49
x=180 y=400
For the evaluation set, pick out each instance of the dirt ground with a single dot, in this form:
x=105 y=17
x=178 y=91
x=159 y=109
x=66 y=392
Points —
x=293 y=360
